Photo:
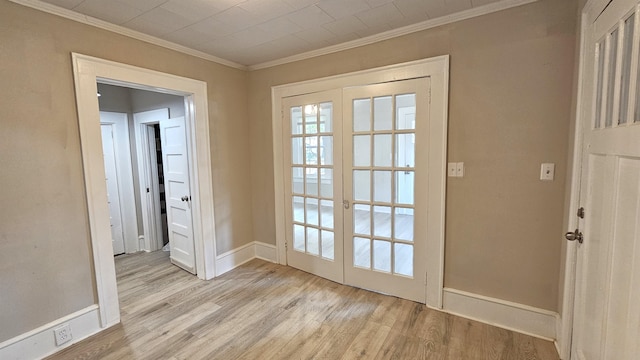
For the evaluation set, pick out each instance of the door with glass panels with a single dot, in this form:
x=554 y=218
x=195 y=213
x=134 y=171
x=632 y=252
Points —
x=385 y=151
x=313 y=187
x=607 y=311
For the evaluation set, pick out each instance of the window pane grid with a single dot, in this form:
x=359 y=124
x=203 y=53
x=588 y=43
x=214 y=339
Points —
x=312 y=179
x=375 y=242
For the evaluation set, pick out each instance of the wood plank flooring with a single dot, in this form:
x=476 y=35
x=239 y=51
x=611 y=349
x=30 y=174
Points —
x=267 y=311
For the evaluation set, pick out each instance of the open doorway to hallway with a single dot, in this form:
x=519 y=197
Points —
x=146 y=164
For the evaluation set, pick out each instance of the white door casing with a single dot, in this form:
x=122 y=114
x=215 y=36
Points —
x=87 y=72
x=175 y=164
x=118 y=123
x=606 y=323
x=437 y=70
x=113 y=193
x=148 y=184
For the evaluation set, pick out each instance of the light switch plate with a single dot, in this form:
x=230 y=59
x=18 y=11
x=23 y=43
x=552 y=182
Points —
x=460 y=169
x=547 y=171
x=452 y=169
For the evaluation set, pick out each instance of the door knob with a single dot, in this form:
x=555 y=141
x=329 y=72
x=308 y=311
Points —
x=575 y=235
x=184 y=198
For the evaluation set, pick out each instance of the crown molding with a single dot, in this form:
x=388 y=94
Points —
x=101 y=24
x=428 y=24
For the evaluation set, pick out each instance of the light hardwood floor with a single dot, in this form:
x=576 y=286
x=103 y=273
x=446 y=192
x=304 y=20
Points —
x=267 y=311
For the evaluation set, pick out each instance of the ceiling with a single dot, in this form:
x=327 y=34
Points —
x=251 y=32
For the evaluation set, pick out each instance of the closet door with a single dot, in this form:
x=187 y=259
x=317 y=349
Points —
x=386 y=164
x=313 y=183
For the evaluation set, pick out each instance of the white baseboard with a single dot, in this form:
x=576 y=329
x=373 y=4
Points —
x=505 y=314
x=234 y=258
x=40 y=342
x=266 y=252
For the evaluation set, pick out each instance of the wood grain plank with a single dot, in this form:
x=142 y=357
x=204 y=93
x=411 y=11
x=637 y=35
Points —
x=266 y=311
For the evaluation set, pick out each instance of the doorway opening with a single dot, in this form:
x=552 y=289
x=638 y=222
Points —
x=131 y=121
x=88 y=72
x=372 y=217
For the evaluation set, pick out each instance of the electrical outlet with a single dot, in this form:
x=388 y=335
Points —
x=63 y=334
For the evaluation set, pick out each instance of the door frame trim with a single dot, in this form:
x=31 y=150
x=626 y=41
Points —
x=437 y=68
x=88 y=71
x=151 y=219
x=564 y=327
x=125 y=180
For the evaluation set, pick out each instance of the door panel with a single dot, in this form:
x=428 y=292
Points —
x=178 y=195
x=607 y=311
x=382 y=125
x=313 y=184
x=113 y=193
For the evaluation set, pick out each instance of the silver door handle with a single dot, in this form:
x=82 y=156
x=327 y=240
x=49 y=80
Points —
x=575 y=235
x=345 y=203
x=184 y=198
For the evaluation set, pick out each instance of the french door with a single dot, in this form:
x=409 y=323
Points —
x=356 y=180
x=314 y=183
x=385 y=130
x=607 y=307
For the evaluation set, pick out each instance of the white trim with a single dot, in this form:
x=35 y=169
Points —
x=267 y=252
x=565 y=322
x=87 y=72
x=122 y=148
x=437 y=69
x=234 y=258
x=428 y=24
x=504 y=314
x=101 y=24
x=148 y=178
x=40 y=342
x=425 y=25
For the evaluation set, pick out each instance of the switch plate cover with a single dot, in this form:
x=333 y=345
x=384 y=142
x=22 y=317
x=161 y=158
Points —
x=547 y=171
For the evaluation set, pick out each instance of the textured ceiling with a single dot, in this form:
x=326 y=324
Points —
x=251 y=32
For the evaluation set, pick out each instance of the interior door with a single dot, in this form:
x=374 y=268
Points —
x=607 y=306
x=386 y=134
x=177 y=192
x=113 y=193
x=313 y=185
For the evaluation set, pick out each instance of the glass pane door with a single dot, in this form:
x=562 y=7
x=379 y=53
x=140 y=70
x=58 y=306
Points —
x=385 y=132
x=314 y=189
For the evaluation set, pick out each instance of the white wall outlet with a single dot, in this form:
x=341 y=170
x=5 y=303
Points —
x=547 y=171
x=460 y=169
x=63 y=334
x=452 y=169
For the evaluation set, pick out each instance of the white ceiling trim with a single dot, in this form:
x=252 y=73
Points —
x=428 y=24
x=72 y=15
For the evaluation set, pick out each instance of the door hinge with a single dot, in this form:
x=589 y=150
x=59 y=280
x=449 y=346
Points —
x=581 y=213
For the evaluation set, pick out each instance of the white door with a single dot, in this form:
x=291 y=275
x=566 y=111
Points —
x=607 y=299
x=177 y=192
x=113 y=194
x=386 y=135
x=314 y=183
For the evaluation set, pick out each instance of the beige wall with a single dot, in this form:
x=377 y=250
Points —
x=45 y=267
x=510 y=98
